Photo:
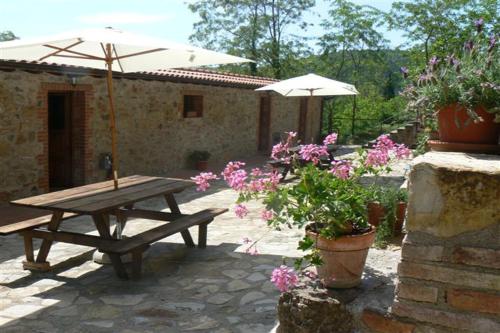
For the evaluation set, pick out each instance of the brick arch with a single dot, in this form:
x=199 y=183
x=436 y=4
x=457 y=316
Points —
x=83 y=103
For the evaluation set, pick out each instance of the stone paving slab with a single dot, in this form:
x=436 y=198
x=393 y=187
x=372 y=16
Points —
x=217 y=289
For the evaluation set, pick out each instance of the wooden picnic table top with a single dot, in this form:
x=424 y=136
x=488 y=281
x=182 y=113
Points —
x=100 y=197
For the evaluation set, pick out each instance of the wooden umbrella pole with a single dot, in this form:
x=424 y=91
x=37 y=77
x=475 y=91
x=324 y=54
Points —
x=114 y=157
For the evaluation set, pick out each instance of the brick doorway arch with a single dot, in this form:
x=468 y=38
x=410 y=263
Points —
x=81 y=99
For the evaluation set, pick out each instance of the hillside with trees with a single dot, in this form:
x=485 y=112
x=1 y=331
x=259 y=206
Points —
x=353 y=48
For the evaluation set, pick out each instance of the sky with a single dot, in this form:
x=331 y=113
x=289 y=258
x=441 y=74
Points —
x=168 y=19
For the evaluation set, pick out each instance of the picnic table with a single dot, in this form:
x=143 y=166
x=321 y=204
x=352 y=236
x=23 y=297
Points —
x=100 y=201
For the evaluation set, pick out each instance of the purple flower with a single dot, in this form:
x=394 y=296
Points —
x=469 y=45
x=433 y=61
x=404 y=71
x=492 y=42
x=479 y=24
x=341 y=169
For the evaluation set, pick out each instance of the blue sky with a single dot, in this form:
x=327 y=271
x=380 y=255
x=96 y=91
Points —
x=169 y=19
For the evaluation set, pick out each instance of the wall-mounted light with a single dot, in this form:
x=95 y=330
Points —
x=73 y=79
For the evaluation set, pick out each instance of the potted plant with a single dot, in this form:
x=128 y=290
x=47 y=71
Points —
x=199 y=158
x=461 y=92
x=330 y=204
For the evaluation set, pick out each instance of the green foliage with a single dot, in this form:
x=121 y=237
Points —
x=389 y=198
x=7 y=35
x=470 y=80
x=255 y=29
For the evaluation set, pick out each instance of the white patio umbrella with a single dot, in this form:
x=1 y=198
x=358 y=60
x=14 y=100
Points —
x=101 y=48
x=311 y=85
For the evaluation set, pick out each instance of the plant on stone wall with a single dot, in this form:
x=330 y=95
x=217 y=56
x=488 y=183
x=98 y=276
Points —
x=327 y=199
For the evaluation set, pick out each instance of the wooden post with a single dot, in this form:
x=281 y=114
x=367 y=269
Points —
x=114 y=157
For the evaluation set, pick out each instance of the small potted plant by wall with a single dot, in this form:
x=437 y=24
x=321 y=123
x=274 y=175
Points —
x=462 y=94
x=199 y=158
x=330 y=204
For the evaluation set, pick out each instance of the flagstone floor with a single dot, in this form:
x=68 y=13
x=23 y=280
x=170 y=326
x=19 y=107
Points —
x=217 y=289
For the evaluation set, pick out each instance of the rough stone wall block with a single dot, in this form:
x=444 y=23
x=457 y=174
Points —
x=449 y=274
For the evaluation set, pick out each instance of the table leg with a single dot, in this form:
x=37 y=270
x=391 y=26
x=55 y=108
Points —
x=174 y=208
x=28 y=248
x=54 y=224
x=102 y=228
x=121 y=220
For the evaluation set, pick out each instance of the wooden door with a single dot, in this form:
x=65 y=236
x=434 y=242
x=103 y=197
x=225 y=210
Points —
x=302 y=120
x=264 y=123
x=60 y=140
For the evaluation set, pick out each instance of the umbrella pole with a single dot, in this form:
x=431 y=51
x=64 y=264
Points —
x=114 y=157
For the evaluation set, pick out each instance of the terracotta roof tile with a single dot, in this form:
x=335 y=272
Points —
x=185 y=75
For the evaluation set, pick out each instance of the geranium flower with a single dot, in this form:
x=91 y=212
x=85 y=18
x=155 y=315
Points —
x=341 y=169
x=312 y=152
x=202 y=180
x=241 y=211
x=284 y=278
x=267 y=215
x=330 y=139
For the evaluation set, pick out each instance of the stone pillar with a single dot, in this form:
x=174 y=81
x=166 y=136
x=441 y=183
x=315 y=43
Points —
x=449 y=274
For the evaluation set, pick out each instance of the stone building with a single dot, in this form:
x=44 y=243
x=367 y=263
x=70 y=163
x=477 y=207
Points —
x=54 y=122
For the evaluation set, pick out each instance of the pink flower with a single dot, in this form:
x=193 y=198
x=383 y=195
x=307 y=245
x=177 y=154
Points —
x=384 y=142
x=284 y=278
x=246 y=240
x=241 y=211
x=330 y=139
x=252 y=250
x=313 y=152
x=236 y=180
x=231 y=167
x=401 y=151
x=271 y=182
x=377 y=157
x=267 y=215
x=256 y=172
x=341 y=169
x=310 y=274
x=202 y=180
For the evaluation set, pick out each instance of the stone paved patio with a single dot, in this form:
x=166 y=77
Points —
x=218 y=289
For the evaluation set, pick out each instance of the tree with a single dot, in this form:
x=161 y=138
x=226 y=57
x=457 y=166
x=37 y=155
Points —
x=7 y=35
x=352 y=39
x=440 y=27
x=256 y=29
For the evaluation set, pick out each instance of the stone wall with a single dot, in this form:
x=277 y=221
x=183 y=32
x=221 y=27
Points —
x=449 y=274
x=153 y=136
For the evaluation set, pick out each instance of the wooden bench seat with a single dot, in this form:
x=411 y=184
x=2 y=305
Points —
x=140 y=242
x=14 y=219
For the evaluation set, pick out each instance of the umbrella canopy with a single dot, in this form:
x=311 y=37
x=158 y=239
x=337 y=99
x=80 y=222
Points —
x=101 y=48
x=311 y=85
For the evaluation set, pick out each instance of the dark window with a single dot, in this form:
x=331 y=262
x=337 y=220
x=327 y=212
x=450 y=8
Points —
x=193 y=106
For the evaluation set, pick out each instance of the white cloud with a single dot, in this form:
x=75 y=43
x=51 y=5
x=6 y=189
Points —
x=122 y=18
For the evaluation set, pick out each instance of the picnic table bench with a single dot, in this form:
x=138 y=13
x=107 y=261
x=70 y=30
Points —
x=41 y=216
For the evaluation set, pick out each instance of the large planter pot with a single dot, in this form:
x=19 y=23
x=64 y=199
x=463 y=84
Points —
x=485 y=132
x=343 y=258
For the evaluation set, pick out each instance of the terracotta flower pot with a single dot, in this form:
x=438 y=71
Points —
x=201 y=165
x=343 y=258
x=485 y=132
x=400 y=218
x=375 y=213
